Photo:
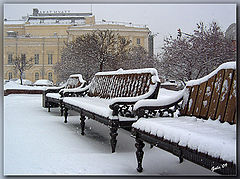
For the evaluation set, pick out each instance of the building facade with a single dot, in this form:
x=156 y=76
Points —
x=43 y=35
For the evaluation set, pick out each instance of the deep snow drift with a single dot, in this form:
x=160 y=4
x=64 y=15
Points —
x=38 y=142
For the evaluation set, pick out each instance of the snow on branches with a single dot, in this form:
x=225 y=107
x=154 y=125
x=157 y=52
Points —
x=101 y=50
x=193 y=56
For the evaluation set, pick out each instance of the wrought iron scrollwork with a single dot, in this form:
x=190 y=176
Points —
x=167 y=111
x=124 y=110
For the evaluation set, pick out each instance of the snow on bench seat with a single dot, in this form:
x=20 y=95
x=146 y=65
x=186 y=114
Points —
x=53 y=95
x=100 y=106
x=207 y=136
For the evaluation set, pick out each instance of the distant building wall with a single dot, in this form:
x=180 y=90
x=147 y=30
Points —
x=41 y=36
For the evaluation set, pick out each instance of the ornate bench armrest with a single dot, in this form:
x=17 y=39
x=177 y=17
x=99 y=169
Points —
x=79 y=91
x=53 y=89
x=122 y=108
x=161 y=104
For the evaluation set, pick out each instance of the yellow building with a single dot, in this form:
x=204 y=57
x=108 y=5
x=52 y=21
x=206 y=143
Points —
x=42 y=35
x=137 y=35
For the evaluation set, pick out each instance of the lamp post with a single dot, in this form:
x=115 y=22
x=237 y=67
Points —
x=180 y=33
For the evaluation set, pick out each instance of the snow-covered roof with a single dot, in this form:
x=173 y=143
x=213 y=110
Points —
x=8 y=22
x=56 y=17
x=227 y=65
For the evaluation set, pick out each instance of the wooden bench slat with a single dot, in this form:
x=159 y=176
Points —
x=223 y=99
x=215 y=95
x=235 y=117
x=135 y=84
x=231 y=110
x=131 y=86
x=184 y=106
x=139 y=85
x=207 y=97
x=192 y=100
x=200 y=96
x=145 y=84
x=121 y=86
x=114 y=86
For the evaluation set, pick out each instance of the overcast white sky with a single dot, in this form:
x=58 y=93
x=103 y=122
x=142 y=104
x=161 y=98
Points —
x=164 y=19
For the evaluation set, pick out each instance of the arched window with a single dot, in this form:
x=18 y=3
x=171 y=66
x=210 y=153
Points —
x=36 y=76
x=50 y=76
x=10 y=75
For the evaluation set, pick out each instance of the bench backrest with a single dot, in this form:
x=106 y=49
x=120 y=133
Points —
x=75 y=81
x=213 y=96
x=123 y=83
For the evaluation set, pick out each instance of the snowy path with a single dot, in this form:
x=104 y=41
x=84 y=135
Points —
x=38 y=142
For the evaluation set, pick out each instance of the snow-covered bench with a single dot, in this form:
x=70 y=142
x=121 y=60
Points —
x=205 y=132
x=52 y=97
x=110 y=96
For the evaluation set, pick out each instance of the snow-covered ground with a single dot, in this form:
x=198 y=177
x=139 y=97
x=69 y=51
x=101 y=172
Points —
x=16 y=85
x=38 y=142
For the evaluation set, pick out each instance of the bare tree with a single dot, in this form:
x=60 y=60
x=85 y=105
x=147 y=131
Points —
x=193 y=56
x=90 y=53
x=101 y=51
x=21 y=64
x=138 y=57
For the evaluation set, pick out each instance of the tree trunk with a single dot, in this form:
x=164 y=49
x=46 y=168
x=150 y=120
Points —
x=21 y=78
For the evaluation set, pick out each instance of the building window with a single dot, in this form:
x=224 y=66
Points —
x=138 y=41
x=10 y=75
x=49 y=58
x=11 y=34
x=50 y=76
x=9 y=59
x=36 y=76
x=36 y=59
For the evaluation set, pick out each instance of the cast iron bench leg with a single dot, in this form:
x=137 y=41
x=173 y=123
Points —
x=49 y=107
x=82 y=118
x=181 y=157
x=139 y=154
x=113 y=140
x=65 y=115
x=61 y=111
x=61 y=108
